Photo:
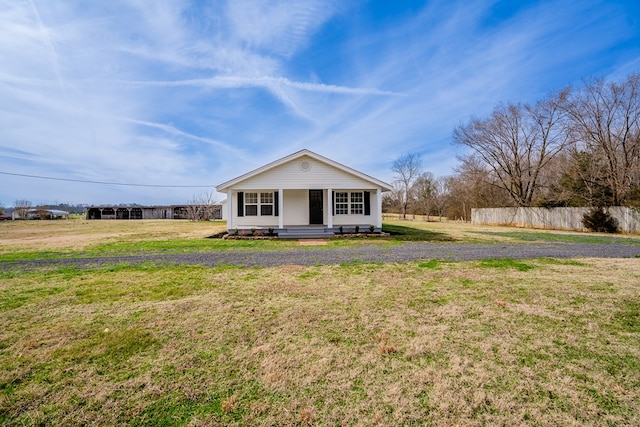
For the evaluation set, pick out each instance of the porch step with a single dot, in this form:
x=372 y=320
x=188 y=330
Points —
x=305 y=233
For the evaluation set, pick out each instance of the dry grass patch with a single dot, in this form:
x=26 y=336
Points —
x=77 y=234
x=454 y=230
x=467 y=232
x=312 y=242
x=365 y=344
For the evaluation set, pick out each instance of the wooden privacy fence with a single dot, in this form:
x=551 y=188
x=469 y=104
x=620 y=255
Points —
x=555 y=218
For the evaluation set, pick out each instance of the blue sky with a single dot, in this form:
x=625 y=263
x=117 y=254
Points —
x=193 y=93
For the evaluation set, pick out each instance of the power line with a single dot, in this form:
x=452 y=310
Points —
x=105 y=182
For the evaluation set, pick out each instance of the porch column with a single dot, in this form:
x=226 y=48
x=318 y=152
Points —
x=329 y=208
x=379 y=203
x=280 y=208
x=229 y=209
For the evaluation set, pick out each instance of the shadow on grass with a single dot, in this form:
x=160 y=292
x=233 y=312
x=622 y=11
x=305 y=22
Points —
x=402 y=233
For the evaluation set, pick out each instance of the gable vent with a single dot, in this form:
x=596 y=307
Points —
x=305 y=166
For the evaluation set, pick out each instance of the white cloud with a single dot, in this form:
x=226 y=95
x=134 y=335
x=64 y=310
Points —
x=199 y=92
x=277 y=27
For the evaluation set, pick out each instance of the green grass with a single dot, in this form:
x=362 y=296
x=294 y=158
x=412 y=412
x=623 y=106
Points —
x=554 y=261
x=432 y=264
x=140 y=243
x=506 y=263
x=152 y=238
x=413 y=233
x=172 y=246
x=550 y=236
x=628 y=316
x=490 y=342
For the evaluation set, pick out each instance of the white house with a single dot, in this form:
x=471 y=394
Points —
x=304 y=195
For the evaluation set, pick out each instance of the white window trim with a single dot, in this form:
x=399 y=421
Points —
x=250 y=201
x=356 y=205
x=342 y=199
x=348 y=206
x=266 y=195
x=259 y=202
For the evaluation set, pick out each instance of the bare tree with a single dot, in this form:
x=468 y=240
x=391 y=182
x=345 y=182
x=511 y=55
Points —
x=516 y=142
x=210 y=205
x=424 y=192
x=440 y=196
x=392 y=200
x=472 y=186
x=459 y=202
x=22 y=207
x=407 y=169
x=606 y=122
x=202 y=207
x=193 y=209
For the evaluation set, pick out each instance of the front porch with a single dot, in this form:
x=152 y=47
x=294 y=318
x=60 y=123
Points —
x=305 y=232
x=306 y=195
x=308 y=231
x=317 y=212
x=320 y=232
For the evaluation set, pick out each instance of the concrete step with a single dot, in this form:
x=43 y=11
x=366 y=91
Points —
x=305 y=233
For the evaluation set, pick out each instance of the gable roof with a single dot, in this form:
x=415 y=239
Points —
x=226 y=185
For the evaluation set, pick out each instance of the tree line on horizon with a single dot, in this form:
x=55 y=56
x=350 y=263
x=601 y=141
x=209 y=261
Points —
x=578 y=147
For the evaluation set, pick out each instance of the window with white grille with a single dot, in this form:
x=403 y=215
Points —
x=251 y=204
x=342 y=203
x=266 y=204
x=357 y=203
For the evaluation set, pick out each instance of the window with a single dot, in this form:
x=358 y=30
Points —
x=258 y=204
x=251 y=204
x=342 y=203
x=266 y=204
x=357 y=203
x=352 y=203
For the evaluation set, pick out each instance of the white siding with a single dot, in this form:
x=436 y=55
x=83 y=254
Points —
x=362 y=220
x=295 y=178
x=296 y=211
x=354 y=220
x=291 y=176
x=224 y=210
x=245 y=222
x=296 y=207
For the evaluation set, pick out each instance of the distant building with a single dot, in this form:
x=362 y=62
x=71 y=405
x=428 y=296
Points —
x=199 y=212
x=39 y=213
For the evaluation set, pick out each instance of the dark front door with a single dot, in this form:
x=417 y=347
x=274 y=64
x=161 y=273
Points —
x=315 y=207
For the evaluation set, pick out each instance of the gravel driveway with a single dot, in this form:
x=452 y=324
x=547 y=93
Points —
x=367 y=253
